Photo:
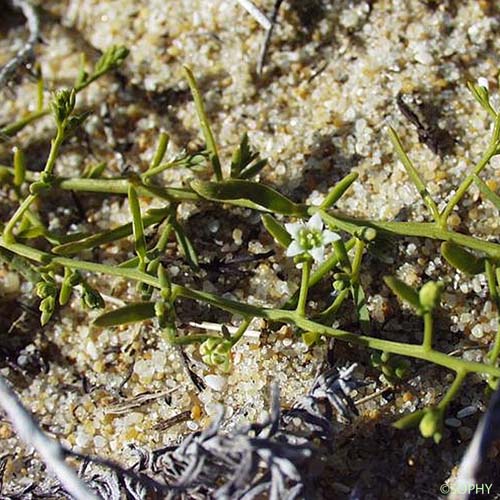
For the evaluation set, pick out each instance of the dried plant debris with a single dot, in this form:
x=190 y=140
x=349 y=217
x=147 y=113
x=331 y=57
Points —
x=473 y=462
x=248 y=461
x=26 y=55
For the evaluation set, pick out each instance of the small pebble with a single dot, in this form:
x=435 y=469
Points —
x=453 y=422
x=216 y=382
x=466 y=412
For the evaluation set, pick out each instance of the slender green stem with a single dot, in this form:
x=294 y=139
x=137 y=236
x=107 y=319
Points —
x=48 y=170
x=414 y=176
x=453 y=389
x=464 y=186
x=419 y=229
x=428 y=331
x=329 y=313
x=304 y=287
x=245 y=310
x=356 y=262
x=8 y=232
x=494 y=285
x=13 y=128
x=205 y=125
x=241 y=330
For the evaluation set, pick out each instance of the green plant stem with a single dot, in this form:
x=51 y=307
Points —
x=356 y=262
x=453 y=389
x=334 y=219
x=205 y=125
x=248 y=311
x=8 y=231
x=419 y=229
x=464 y=186
x=414 y=176
x=304 y=288
x=48 y=170
x=493 y=285
x=428 y=330
x=329 y=313
x=241 y=330
x=14 y=128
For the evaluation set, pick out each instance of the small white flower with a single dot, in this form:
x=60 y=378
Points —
x=309 y=238
x=483 y=82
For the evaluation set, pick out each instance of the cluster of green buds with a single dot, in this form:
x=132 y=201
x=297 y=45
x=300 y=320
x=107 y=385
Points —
x=216 y=352
x=393 y=368
x=46 y=289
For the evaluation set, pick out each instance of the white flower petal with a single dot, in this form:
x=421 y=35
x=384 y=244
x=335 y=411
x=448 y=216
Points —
x=329 y=237
x=293 y=228
x=483 y=82
x=315 y=222
x=318 y=253
x=294 y=249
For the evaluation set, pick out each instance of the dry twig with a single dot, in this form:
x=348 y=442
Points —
x=49 y=450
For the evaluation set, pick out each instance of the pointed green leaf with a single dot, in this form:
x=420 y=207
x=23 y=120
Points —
x=276 y=230
x=247 y=194
x=205 y=124
x=94 y=240
x=338 y=190
x=131 y=313
x=187 y=248
x=409 y=421
x=403 y=291
x=362 y=312
x=462 y=259
x=488 y=193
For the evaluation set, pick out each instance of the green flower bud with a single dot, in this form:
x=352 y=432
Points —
x=45 y=289
x=47 y=307
x=430 y=295
x=431 y=424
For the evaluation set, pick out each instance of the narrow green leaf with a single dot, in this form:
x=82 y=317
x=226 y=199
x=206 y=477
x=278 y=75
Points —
x=161 y=148
x=248 y=194
x=131 y=313
x=137 y=225
x=338 y=190
x=19 y=166
x=362 y=312
x=94 y=171
x=205 y=125
x=462 y=259
x=276 y=230
x=413 y=174
x=253 y=170
x=187 y=248
x=403 y=291
x=487 y=192
x=97 y=239
x=481 y=95
x=409 y=421
x=340 y=251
